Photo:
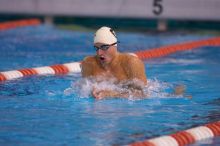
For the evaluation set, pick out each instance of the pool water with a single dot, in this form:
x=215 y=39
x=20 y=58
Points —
x=52 y=110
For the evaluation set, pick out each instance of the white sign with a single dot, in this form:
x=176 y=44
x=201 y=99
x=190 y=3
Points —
x=161 y=9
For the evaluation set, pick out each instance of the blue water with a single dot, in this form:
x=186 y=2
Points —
x=38 y=111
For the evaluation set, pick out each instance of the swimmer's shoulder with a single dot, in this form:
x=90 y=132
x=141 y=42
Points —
x=134 y=67
x=129 y=57
x=89 y=60
x=87 y=66
x=131 y=61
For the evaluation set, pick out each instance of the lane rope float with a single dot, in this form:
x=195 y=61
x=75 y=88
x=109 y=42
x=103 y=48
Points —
x=74 y=67
x=19 y=23
x=184 y=137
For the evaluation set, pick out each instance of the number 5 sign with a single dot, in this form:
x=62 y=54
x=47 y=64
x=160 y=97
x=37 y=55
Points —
x=157 y=7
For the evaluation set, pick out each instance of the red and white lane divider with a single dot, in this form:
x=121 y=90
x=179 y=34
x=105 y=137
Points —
x=184 y=137
x=73 y=67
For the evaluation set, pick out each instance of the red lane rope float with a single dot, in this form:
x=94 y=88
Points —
x=19 y=23
x=28 y=72
x=163 y=51
x=60 y=69
x=74 y=67
x=2 y=77
x=215 y=127
x=184 y=137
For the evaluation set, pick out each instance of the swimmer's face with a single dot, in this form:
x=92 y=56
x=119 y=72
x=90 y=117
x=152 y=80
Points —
x=105 y=53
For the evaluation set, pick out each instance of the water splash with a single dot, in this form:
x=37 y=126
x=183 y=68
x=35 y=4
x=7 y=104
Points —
x=158 y=89
x=154 y=89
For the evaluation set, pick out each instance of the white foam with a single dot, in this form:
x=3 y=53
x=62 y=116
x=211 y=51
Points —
x=154 y=89
x=159 y=89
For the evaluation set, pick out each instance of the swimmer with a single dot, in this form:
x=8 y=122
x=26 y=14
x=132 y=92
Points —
x=108 y=63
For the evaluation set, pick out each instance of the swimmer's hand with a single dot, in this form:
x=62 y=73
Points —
x=97 y=94
x=100 y=94
x=180 y=90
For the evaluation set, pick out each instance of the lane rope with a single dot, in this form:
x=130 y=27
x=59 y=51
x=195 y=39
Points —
x=166 y=50
x=19 y=23
x=183 y=137
x=74 y=67
x=57 y=69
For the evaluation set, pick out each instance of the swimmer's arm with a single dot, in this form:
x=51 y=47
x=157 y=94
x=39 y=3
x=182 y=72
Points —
x=136 y=71
x=116 y=94
x=107 y=93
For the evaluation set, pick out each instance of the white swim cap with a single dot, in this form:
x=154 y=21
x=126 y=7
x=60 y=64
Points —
x=105 y=35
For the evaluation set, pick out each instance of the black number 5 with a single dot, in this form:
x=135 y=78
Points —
x=158 y=8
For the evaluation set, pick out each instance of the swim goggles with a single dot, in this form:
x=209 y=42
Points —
x=104 y=47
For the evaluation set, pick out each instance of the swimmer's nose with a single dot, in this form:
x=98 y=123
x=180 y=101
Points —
x=100 y=52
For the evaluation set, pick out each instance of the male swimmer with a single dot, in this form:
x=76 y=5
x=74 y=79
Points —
x=109 y=63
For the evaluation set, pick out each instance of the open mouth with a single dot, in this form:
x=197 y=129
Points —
x=102 y=58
